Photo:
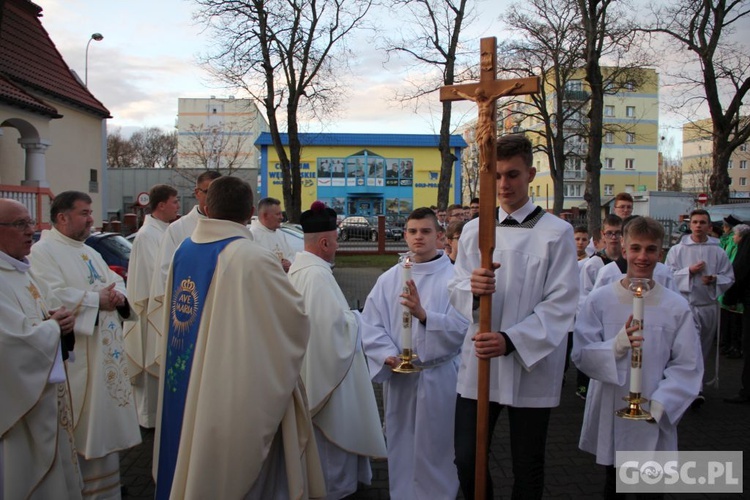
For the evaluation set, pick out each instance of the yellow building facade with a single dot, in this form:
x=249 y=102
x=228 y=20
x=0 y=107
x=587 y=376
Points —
x=630 y=160
x=364 y=174
x=697 y=164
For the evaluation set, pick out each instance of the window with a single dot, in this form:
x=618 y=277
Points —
x=743 y=164
x=630 y=138
x=609 y=163
x=630 y=111
x=609 y=189
x=730 y=164
x=609 y=138
x=629 y=163
x=731 y=181
x=629 y=188
x=609 y=111
x=574 y=85
x=573 y=190
x=630 y=86
x=743 y=181
x=743 y=147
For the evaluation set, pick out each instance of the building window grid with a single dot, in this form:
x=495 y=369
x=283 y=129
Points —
x=743 y=181
x=743 y=164
x=609 y=163
x=609 y=189
x=609 y=110
x=730 y=164
x=630 y=138
x=630 y=111
x=609 y=138
x=629 y=163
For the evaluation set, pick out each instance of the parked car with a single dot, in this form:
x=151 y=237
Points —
x=366 y=228
x=294 y=236
x=115 y=250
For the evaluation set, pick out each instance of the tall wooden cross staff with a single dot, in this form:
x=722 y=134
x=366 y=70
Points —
x=485 y=94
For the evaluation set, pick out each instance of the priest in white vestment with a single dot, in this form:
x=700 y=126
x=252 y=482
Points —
x=419 y=407
x=177 y=232
x=672 y=366
x=232 y=420
x=140 y=337
x=104 y=415
x=339 y=392
x=534 y=288
x=702 y=272
x=37 y=455
x=266 y=232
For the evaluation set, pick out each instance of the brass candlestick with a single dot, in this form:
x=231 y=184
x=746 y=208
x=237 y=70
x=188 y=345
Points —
x=406 y=365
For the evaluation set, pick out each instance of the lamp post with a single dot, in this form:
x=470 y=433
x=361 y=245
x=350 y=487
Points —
x=98 y=37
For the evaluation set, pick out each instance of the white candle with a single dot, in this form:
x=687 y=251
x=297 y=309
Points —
x=406 y=314
x=635 y=368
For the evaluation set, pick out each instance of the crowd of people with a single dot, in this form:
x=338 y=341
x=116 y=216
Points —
x=257 y=376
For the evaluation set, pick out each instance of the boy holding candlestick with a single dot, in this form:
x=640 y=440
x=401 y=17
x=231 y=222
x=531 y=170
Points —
x=419 y=407
x=672 y=367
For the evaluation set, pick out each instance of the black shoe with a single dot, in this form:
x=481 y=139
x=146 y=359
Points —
x=738 y=400
x=698 y=402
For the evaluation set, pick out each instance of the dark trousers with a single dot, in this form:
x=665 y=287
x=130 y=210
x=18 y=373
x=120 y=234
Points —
x=528 y=438
x=746 y=350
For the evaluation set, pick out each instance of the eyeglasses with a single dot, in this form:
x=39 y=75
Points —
x=624 y=207
x=20 y=224
x=613 y=234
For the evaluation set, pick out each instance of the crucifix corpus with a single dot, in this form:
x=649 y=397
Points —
x=485 y=94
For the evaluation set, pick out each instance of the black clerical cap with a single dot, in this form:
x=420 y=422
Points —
x=318 y=219
x=731 y=220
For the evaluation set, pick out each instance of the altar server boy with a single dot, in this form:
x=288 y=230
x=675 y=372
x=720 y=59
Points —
x=672 y=366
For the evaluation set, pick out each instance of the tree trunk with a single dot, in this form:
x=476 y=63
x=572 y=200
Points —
x=447 y=158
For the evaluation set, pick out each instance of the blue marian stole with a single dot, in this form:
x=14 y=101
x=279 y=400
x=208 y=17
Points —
x=192 y=271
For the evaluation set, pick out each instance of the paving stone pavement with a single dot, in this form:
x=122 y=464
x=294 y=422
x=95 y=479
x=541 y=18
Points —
x=570 y=473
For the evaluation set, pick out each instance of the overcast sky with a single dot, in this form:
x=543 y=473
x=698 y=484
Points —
x=147 y=60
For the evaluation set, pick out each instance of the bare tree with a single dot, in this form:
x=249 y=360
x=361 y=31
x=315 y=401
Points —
x=548 y=41
x=223 y=147
x=285 y=54
x=697 y=175
x=609 y=34
x=153 y=148
x=704 y=28
x=432 y=40
x=120 y=152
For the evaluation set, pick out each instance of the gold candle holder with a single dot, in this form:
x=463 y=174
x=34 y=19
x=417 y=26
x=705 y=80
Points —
x=406 y=365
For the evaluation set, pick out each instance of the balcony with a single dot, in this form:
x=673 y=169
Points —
x=36 y=199
x=574 y=174
x=576 y=95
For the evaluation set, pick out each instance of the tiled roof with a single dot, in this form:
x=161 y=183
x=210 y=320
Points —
x=29 y=58
x=395 y=140
x=16 y=96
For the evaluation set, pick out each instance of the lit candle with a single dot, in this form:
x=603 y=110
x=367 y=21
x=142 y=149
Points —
x=406 y=314
x=635 y=366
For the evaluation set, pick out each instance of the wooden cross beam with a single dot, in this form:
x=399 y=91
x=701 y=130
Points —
x=485 y=94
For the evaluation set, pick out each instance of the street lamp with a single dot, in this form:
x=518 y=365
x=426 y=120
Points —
x=98 y=37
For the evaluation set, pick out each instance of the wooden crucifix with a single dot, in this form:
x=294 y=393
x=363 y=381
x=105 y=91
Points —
x=485 y=94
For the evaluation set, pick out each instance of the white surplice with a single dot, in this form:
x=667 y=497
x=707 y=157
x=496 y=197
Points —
x=339 y=391
x=703 y=299
x=275 y=241
x=140 y=337
x=105 y=419
x=419 y=407
x=671 y=373
x=174 y=235
x=36 y=434
x=244 y=391
x=534 y=304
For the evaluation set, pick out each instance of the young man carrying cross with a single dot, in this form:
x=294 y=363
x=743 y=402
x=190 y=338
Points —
x=534 y=288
